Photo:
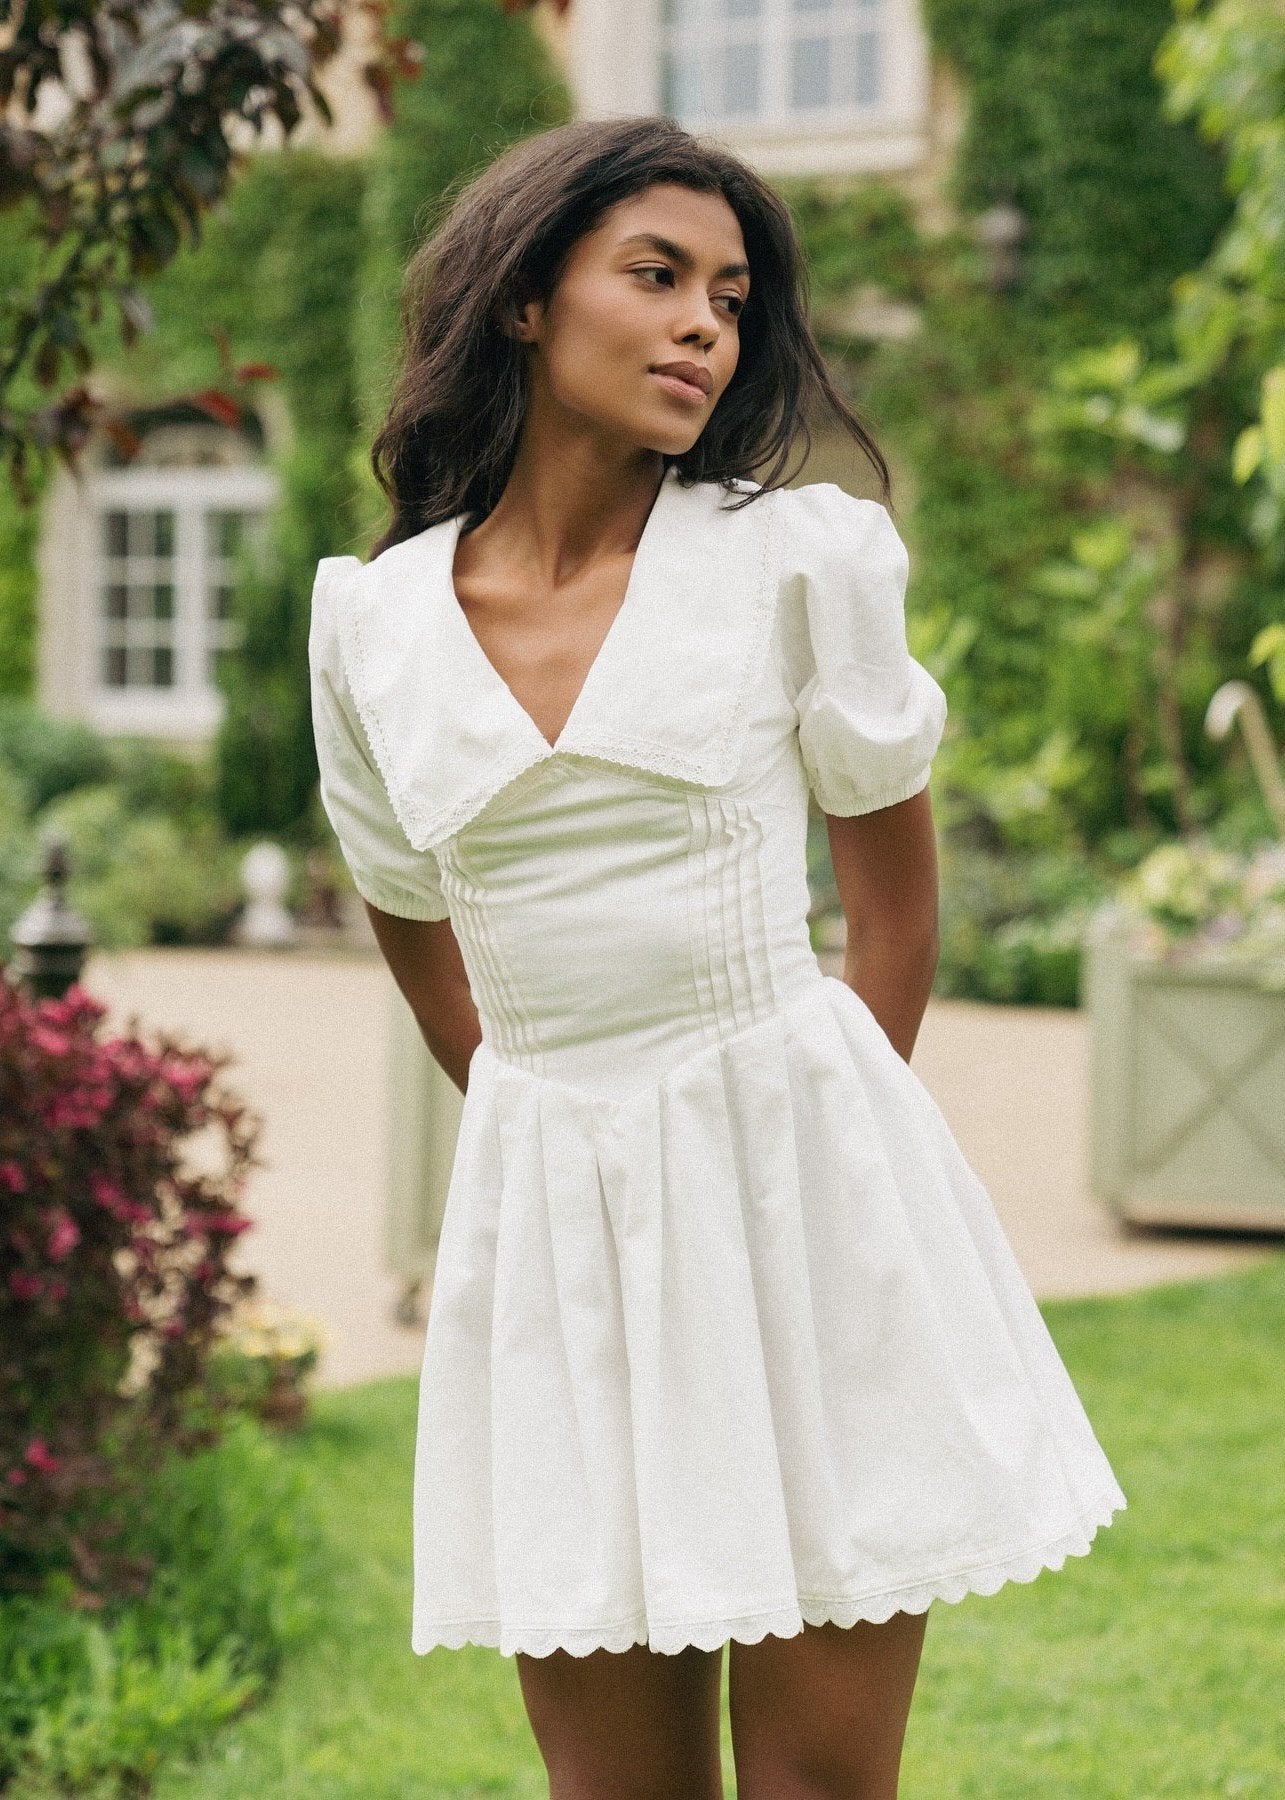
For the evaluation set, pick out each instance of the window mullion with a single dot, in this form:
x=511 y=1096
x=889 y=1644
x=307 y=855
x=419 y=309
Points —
x=189 y=647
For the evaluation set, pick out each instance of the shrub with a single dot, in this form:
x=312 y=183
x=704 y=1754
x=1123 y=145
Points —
x=100 y=1701
x=266 y=1358
x=155 y=779
x=19 y=852
x=139 y=878
x=49 y=756
x=1012 y=927
x=114 y=1276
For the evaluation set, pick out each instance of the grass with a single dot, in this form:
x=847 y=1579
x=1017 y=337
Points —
x=1153 y=1667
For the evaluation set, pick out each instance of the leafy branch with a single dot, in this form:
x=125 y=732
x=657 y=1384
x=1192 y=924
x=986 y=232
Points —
x=123 y=124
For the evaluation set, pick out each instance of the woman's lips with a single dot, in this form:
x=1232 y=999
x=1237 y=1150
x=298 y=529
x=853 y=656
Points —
x=683 y=390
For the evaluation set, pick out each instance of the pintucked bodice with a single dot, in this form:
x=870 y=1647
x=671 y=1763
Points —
x=612 y=922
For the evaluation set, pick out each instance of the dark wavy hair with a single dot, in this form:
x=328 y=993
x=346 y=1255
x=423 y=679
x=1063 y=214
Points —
x=450 y=435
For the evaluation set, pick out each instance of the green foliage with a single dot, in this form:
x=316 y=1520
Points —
x=266 y=758
x=1224 y=65
x=161 y=116
x=987 y=516
x=1159 y=428
x=274 y=271
x=1075 y=723
x=1072 y=717
x=140 y=877
x=101 y=1703
x=152 y=778
x=150 y=860
x=47 y=756
x=858 y=234
x=1268 y=650
x=1011 y=927
x=300 y=267
x=18 y=524
x=1065 y=115
x=486 y=80
x=237 y=1543
x=130 y=1712
x=19 y=855
x=18 y=531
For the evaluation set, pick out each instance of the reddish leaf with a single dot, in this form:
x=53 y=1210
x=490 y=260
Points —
x=218 y=405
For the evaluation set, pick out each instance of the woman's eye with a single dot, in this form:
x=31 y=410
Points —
x=663 y=269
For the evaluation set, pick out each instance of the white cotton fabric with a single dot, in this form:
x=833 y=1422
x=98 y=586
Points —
x=725 y=1335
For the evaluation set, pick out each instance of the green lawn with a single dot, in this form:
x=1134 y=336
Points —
x=1155 y=1666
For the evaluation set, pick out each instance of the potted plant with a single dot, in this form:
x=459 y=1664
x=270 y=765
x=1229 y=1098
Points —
x=1184 y=982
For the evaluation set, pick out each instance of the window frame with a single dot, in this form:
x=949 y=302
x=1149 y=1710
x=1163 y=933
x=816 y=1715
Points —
x=775 y=31
x=194 y=704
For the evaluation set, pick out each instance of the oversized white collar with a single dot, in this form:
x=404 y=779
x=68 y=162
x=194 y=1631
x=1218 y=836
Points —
x=669 y=691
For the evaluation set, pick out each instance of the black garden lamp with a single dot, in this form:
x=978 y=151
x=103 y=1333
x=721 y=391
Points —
x=50 y=938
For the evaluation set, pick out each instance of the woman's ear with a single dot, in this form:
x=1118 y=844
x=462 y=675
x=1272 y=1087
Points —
x=518 y=320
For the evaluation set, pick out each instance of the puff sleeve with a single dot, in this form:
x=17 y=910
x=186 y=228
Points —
x=870 y=716
x=385 y=869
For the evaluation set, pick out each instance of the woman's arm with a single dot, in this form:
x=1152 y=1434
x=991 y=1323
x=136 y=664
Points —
x=885 y=868
x=425 y=959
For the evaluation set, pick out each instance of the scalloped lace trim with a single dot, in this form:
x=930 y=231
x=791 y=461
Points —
x=783 y=1621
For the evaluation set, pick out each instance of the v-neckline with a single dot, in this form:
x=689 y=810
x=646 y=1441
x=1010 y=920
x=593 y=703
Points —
x=613 y=630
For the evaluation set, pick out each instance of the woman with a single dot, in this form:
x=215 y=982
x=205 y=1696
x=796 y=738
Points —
x=726 y=1344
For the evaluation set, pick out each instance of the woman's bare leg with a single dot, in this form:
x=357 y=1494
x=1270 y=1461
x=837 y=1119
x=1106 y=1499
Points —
x=822 y=1715
x=627 y=1725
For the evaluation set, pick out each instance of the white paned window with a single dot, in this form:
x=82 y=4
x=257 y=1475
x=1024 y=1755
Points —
x=166 y=543
x=773 y=62
x=136 y=611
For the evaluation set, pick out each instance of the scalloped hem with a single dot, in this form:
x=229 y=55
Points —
x=782 y=1621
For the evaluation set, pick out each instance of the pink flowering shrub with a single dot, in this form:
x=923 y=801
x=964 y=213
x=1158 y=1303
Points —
x=114 y=1277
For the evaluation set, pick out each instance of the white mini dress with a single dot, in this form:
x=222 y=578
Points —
x=725 y=1335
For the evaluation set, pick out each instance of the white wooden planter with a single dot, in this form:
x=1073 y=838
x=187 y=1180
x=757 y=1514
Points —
x=1188 y=1090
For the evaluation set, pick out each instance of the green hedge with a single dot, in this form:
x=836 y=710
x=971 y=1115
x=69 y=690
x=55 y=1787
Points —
x=102 y=1703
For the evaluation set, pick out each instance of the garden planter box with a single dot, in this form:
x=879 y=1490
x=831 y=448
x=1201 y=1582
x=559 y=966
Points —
x=1187 y=1091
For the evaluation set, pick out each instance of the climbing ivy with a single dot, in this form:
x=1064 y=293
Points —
x=1064 y=116
x=487 y=79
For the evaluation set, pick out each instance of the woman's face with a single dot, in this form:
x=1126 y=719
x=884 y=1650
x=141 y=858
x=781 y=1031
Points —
x=660 y=280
